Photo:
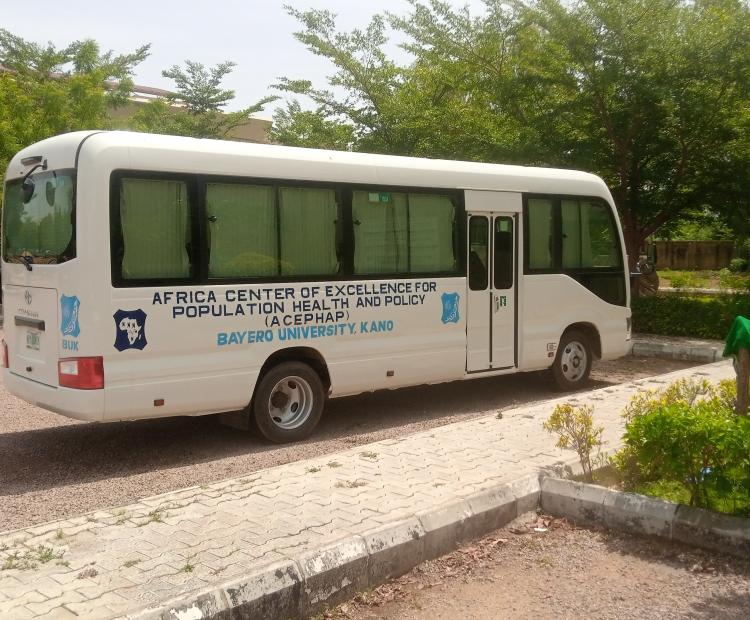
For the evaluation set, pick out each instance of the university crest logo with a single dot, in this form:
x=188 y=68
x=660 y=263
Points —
x=69 y=307
x=450 y=307
x=131 y=329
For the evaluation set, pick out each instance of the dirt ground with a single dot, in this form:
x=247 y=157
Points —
x=53 y=467
x=562 y=573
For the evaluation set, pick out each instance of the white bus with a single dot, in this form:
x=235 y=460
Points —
x=148 y=276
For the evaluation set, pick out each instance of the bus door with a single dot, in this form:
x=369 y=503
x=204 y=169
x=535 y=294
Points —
x=491 y=328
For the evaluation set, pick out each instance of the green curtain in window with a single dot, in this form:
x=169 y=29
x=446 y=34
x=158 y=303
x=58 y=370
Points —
x=242 y=237
x=380 y=233
x=572 y=250
x=540 y=233
x=308 y=218
x=155 y=228
x=431 y=220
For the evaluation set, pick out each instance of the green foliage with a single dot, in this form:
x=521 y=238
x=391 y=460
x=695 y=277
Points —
x=48 y=90
x=575 y=430
x=683 y=279
x=688 y=437
x=733 y=280
x=659 y=113
x=682 y=315
x=738 y=265
x=195 y=109
x=294 y=126
x=705 y=225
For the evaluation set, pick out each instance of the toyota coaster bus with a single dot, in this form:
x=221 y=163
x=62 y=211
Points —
x=148 y=276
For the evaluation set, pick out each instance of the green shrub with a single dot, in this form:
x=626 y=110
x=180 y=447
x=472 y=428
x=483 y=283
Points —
x=683 y=279
x=729 y=280
x=738 y=265
x=686 y=442
x=682 y=315
x=575 y=430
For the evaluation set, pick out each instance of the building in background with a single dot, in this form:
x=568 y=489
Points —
x=255 y=130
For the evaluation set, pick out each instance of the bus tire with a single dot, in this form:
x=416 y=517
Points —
x=572 y=364
x=288 y=402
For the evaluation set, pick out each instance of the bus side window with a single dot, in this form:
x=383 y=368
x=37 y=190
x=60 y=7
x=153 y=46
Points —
x=478 y=253
x=155 y=222
x=243 y=240
x=504 y=253
x=540 y=230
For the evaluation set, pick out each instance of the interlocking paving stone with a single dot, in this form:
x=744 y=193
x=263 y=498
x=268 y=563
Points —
x=117 y=561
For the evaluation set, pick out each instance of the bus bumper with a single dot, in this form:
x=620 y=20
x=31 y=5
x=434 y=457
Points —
x=87 y=405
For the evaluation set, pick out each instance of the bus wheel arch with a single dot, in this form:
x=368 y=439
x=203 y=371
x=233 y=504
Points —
x=592 y=334
x=579 y=345
x=289 y=396
x=306 y=355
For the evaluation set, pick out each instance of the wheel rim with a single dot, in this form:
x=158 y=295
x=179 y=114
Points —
x=573 y=361
x=290 y=403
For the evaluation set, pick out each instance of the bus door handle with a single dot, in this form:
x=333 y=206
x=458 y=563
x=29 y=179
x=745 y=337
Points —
x=497 y=302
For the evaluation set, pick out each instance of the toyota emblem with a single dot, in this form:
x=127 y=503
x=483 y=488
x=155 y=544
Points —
x=27 y=297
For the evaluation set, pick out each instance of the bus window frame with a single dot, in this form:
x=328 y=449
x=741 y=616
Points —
x=197 y=183
x=116 y=243
x=73 y=242
x=557 y=268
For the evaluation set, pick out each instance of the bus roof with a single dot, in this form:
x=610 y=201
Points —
x=142 y=151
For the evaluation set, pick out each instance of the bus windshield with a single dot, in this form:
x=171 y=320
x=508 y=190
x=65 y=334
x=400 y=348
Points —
x=42 y=229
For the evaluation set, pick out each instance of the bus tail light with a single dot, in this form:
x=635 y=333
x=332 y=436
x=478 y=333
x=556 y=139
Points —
x=6 y=363
x=81 y=373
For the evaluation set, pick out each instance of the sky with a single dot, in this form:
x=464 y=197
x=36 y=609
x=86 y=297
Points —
x=256 y=35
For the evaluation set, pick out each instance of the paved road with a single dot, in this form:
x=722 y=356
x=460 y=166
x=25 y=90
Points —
x=52 y=467
x=304 y=520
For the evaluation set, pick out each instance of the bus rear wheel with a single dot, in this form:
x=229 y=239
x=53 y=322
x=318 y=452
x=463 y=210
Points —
x=289 y=402
x=573 y=361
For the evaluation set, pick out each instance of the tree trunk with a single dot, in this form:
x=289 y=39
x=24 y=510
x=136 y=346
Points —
x=743 y=377
x=633 y=238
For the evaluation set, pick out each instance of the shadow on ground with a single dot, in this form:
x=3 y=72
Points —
x=37 y=459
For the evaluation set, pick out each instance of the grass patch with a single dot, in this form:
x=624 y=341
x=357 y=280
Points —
x=350 y=484
x=155 y=516
x=367 y=454
x=31 y=558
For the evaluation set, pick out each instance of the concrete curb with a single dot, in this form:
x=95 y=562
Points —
x=320 y=578
x=589 y=503
x=672 y=351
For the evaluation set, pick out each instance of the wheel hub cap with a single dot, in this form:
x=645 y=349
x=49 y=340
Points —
x=573 y=361
x=291 y=402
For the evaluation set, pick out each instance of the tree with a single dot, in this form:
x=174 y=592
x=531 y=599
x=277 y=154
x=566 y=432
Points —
x=195 y=108
x=649 y=94
x=294 y=126
x=46 y=90
x=659 y=87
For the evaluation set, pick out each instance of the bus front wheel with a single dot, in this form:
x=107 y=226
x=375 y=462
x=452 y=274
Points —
x=289 y=402
x=573 y=361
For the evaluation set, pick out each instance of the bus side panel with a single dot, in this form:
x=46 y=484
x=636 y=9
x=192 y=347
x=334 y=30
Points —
x=423 y=343
x=194 y=350
x=551 y=303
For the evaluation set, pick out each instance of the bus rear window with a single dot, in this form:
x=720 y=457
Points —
x=41 y=230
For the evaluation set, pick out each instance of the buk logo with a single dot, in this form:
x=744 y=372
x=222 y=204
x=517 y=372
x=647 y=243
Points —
x=450 y=307
x=131 y=329
x=69 y=307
